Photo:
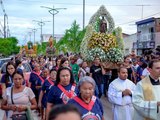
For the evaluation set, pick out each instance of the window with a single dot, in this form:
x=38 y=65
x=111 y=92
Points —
x=151 y=30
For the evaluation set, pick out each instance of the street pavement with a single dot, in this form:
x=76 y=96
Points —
x=108 y=114
x=106 y=106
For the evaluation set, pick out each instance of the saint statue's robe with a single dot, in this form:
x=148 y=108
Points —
x=145 y=99
x=122 y=105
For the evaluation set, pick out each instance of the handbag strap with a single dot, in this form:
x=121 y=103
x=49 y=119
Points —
x=12 y=95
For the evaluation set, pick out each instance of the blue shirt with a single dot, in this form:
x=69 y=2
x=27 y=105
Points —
x=139 y=73
x=8 y=82
x=96 y=111
x=56 y=96
x=45 y=88
x=34 y=80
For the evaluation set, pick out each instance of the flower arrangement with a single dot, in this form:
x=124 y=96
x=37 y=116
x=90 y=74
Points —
x=91 y=54
x=107 y=46
x=114 y=55
x=102 y=40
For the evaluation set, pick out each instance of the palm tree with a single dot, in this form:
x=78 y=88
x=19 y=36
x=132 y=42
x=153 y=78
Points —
x=72 y=39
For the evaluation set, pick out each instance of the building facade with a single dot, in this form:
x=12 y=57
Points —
x=148 y=35
x=128 y=43
x=57 y=37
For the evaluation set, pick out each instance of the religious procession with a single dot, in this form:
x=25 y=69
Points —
x=98 y=83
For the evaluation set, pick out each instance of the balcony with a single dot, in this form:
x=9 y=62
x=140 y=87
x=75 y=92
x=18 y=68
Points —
x=146 y=37
x=144 y=45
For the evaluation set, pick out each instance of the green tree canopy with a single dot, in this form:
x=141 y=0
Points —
x=9 y=46
x=71 y=40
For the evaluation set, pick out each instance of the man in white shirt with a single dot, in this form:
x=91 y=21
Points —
x=120 y=95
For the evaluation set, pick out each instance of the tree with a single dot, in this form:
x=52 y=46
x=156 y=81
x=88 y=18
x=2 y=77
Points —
x=71 y=40
x=9 y=46
x=41 y=48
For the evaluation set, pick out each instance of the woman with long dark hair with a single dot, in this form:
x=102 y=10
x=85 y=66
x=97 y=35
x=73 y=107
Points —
x=64 y=62
x=63 y=90
x=6 y=80
x=58 y=61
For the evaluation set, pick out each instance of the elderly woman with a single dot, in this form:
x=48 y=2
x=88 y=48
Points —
x=63 y=90
x=88 y=104
x=16 y=99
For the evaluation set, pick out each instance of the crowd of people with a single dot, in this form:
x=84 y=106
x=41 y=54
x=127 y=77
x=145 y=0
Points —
x=77 y=86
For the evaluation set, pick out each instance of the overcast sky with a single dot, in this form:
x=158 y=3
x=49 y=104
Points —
x=21 y=14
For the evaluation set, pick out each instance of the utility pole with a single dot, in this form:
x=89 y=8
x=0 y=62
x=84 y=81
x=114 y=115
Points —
x=34 y=33
x=83 y=14
x=5 y=15
x=41 y=24
x=30 y=33
x=142 y=9
x=53 y=11
x=5 y=20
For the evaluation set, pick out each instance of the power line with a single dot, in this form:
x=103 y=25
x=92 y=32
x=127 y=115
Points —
x=87 y=4
x=138 y=20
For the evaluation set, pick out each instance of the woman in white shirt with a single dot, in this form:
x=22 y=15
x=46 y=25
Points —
x=84 y=70
x=16 y=99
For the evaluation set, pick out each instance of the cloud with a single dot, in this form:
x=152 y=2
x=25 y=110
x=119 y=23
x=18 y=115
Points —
x=22 y=12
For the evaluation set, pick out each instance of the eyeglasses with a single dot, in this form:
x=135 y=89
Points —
x=65 y=75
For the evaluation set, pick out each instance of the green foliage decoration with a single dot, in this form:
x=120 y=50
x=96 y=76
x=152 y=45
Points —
x=92 y=53
x=114 y=55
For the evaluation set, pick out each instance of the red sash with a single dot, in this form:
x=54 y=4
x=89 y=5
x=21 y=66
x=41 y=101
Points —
x=51 y=82
x=42 y=80
x=68 y=94
x=84 y=105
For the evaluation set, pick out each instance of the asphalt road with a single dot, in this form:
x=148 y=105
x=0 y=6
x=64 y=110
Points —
x=108 y=115
x=106 y=106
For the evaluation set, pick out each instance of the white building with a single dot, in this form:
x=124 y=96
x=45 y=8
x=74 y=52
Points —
x=128 y=43
x=148 y=35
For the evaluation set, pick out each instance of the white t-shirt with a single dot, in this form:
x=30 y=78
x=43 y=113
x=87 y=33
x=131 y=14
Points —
x=145 y=72
x=79 y=61
x=135 y=67
x=83 y=72
x=21 y=98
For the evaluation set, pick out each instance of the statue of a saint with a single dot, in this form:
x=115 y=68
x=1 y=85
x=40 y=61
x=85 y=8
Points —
x=50 y=41
x=50 y=50
x=103 y=25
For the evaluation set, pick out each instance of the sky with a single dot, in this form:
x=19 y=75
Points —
x=21 y=14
